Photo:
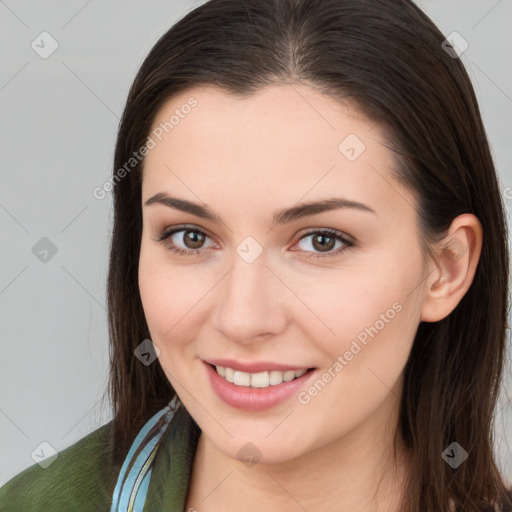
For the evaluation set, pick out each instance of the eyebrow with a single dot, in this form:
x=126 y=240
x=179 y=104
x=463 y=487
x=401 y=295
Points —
x=283 y=216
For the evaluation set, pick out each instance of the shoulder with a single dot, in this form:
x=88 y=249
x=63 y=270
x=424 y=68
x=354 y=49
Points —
x=82 y=477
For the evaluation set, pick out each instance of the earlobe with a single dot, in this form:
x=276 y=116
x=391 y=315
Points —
x=457 y=257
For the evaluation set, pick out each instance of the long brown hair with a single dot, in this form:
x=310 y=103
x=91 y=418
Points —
x=386 y=57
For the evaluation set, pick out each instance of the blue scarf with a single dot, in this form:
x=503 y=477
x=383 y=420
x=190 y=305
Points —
x=133 y=480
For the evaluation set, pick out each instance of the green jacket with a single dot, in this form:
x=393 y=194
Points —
x=82 y=478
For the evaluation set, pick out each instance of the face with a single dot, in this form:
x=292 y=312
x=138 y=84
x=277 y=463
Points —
x=329 y=296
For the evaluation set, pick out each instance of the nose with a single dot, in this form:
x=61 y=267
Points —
x=250 y=302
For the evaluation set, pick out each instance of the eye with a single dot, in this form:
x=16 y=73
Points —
x=190 y=238
x=324 y=241
x=189 y=241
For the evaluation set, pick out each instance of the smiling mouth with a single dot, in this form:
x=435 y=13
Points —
x=260 y=379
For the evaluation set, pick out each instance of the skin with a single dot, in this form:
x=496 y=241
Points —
x=246 y=158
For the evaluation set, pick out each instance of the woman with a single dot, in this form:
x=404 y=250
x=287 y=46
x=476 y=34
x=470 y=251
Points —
x=308 y=274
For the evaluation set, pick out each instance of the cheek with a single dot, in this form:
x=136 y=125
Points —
x=171 y=297
x=161 y=294
x=366 y=316
x=374 y=331
x=344 y=302
x=163 y=304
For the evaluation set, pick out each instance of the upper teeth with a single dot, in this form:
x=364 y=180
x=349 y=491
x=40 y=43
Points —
x=257 y=380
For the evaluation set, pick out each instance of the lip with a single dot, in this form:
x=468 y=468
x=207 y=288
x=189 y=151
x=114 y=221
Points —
x=254 y=367
x=255 y=399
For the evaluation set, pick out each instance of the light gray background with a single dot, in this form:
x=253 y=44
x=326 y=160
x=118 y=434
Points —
x=58 y=119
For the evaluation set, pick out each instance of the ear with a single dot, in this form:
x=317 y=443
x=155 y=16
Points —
x=452 y=272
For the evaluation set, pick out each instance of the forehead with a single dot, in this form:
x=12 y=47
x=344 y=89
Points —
x=286 y=140
x=277 y=116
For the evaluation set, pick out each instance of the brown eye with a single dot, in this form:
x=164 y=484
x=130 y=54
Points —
x=193 y=239
x=183 y=241
x=324 y=242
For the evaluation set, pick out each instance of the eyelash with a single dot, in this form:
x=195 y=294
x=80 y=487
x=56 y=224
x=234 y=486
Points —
x=167 y=233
